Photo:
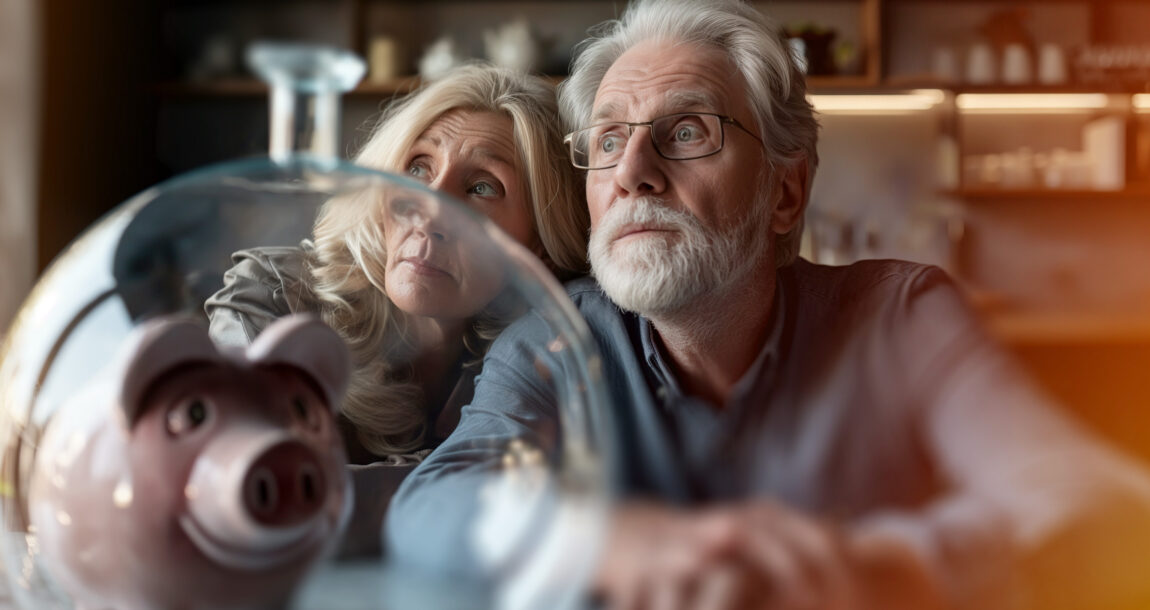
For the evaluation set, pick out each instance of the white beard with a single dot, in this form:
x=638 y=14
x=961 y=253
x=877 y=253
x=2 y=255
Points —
x=655 y=275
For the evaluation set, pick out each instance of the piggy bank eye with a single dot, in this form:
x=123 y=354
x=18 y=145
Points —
x=187 y=416
x=305 y=412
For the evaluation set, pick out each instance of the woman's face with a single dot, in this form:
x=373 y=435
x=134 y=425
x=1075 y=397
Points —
x=436 y=268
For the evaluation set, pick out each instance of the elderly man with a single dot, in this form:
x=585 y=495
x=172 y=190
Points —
x=791 y=435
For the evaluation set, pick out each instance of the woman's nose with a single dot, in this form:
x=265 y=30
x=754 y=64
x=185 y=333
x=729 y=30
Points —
x=423 y=217
x=434 y=223
x=431 y=226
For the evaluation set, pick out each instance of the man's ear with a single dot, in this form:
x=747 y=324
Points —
x=793 y=189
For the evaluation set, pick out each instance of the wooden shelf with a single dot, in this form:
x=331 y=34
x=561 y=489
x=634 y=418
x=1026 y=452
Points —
x=830 y=84
x=230 y=87
x=401 y=85
x=1137 y=193
x=1061 y=328
x=925 y=82
x=246 y=87
x=1016 y=325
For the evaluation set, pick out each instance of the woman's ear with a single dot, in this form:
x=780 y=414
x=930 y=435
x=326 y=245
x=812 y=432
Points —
x=793 y=186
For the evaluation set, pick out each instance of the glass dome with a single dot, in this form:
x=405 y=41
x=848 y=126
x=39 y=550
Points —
x=99 y=513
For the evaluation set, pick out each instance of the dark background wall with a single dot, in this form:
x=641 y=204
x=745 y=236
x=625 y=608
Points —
x=97 y=119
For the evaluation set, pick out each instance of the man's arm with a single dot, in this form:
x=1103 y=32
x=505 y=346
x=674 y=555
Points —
x=1037 y=509
x=755 y=554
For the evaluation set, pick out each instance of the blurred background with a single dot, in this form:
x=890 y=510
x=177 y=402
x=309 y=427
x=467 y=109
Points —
x=1008 y=142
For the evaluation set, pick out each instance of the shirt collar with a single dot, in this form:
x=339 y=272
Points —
x=761 y=370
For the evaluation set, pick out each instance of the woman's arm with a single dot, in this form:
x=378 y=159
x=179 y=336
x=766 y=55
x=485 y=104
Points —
x=263 y=284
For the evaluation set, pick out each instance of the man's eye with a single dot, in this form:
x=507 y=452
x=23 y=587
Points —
x=610 y=143
x=686 y=133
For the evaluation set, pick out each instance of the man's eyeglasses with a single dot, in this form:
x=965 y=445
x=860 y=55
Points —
x=679 y=137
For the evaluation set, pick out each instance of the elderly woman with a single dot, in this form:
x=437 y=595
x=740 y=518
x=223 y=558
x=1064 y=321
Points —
x=411 y=311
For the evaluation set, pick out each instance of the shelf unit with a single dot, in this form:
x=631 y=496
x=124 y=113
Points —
x=359 y=20
x=875 y=18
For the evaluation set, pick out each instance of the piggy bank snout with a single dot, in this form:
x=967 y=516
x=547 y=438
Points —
x=285 y=485
x=259 y=498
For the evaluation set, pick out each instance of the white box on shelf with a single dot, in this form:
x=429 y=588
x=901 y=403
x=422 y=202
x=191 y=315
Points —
x=1104 y=142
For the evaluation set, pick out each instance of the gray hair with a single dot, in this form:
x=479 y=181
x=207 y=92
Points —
x=756 y=47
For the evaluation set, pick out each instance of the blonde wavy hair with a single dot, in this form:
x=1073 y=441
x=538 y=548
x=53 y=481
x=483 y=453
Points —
x=386 y=407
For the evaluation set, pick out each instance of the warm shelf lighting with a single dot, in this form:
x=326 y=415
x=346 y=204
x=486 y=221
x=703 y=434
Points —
x=1031 y=102
x=893 y=103
x=1141 y=102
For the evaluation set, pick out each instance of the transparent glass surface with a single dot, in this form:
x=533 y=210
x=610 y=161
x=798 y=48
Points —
x=94 y=493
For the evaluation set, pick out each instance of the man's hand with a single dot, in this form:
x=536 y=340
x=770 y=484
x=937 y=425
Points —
x=758 y=554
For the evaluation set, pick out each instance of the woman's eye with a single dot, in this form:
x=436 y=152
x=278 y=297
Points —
x=402 y=207
x=418 y=171
x=483 y=189
x=187 y=416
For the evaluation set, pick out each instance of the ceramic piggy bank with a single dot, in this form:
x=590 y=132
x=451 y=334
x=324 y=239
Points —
x=196 y=478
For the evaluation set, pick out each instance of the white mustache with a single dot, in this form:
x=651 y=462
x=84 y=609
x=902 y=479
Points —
x=649 y=212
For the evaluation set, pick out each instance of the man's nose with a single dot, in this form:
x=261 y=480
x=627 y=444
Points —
x=640 y=168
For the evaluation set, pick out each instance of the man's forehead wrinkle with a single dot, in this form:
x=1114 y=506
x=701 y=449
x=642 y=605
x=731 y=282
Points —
x=670 y=100
x=661 y=87
x=606 y=111
x=683 y=99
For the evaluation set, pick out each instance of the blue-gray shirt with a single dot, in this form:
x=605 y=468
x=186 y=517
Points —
x=877 y=400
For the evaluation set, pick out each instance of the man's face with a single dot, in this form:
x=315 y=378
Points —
x=665 y=232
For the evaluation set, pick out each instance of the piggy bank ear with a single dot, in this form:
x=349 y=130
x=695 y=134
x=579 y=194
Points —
x=306 y=343
x=157 y=347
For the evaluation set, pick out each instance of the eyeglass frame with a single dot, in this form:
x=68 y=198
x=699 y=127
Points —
x=569 y=139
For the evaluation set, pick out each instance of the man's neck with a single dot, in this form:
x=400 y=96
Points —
x=713 y=343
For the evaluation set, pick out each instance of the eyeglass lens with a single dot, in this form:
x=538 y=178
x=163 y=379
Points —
x=676 y=136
